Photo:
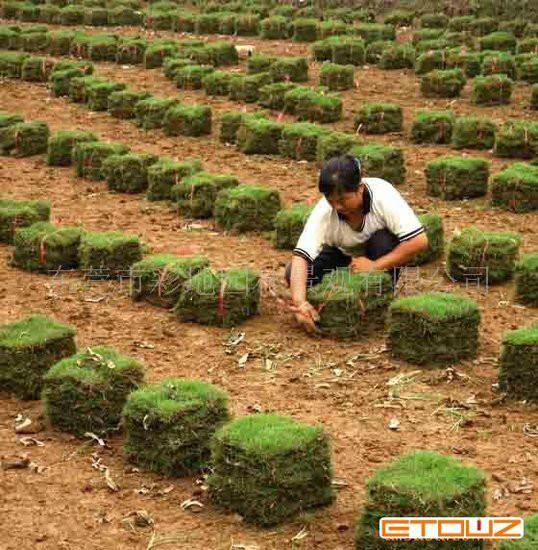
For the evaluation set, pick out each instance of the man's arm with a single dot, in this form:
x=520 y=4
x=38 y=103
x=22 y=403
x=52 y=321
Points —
x=305 y=314
x=404 y=252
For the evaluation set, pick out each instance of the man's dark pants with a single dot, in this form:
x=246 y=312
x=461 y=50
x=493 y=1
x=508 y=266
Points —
x=330 y=258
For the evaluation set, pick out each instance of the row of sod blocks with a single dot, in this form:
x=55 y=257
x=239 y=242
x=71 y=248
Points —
x=22 y=139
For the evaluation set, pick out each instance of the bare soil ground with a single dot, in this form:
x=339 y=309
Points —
x=67 y=504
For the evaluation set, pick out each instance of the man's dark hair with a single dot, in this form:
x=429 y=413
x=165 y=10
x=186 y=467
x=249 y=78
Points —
x=340 y=175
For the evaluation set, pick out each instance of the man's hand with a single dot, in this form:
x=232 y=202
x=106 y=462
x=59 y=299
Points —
x=306 y=316
x=362 y=263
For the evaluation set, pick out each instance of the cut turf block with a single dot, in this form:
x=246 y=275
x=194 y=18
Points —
x=208 y=23
x=79 y=87
x=421 y=483
x=516 y=188
x=259 y=136
x=103 y=47
x=130 y=50
x=518 y=374
x=11 y=64
x=60 y=81
x=305 y=30
x=191 y=76
x=99 y=92
x=299 y=141
x=247 y=88
x=400 y=17
x=495 y=89
x=159 y=278
x=172 y=64
x=289 y=224
x=472 y=132
x=431 y=60
x=375 y=50
x=434 y=21
x=332 y=27
x=461 y=23
x=109 y=254
x=48 y=14
x=61 y=144
x=379 y=118
x=448 y=83
x=187 y=120
x=516 y=26
x=86 y=67
x=37 y=69
x=381 y=161
x=87 y=391
x=9 y=119
x=28 y=348
x=169 y=425
x=24 y=139
x=398 y=56
x=221 y=53
x=269 y=468
x=433 y=329
x=432 y=127
x=88 y=157
x=124 y=16
x=60 y=42
x=247 y=208
x=275 y=27
x=481 y=255
x=371 y=32
x=517 y=139
x=157 y=51
x=529 y=45
x=195 y=195
x=337 y=77
x=121 y=104
x=34 y=41
x=271 y=96
x=9 y=38
x=309 y=104
x=128 y=173
x=46 y=248
x=334 y=144
x=433 y=225
x=526 y=276
x=96 y=17
x=426 y=35
x=429 y=45
x=218 y=82
x=71 y=15
x=499 y=41
x=454 y=178
x=468 y=61
x=167 y=172
x=184 y=21
x=222 y=299
x=20 y=213
x=289 y=69
x=498 y=63
x=150 y=112
x=484 y=25
x=260 y=63
x=351 y=305
x=231 y=121
x=344 y=50
x=529 y=540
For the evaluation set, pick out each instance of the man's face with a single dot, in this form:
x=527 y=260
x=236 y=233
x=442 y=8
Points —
x=346 y=204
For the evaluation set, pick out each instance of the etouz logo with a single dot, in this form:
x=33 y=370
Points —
x=424 y=528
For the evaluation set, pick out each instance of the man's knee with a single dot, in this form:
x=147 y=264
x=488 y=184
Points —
x=380 y=243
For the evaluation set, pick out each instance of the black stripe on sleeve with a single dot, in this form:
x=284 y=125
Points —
x=412 y=234
x=303 y=254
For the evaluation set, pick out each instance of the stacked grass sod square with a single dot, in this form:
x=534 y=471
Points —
x=128 y=173
x=169 y=425
x=218 y=83
x=247 y=208
x=334 y=144
x=60 y=81
x=88 y=157
x=371 y=32
x=337 y=77
x=24 y=139
x=433 y=225
x=167 y=172
x=99 y=92
x=397 y=56
x=231 y=121
x=195 y=195
x=247 y=87
x=434 y=328
x=20 y=213
x=299 y=141
x=87 y=391
x=516 y=188
x=527 y=68
x=351 y=305
x=191 y=76
x=187 y=120
x=442 y=83
x=379 y=118
x=259 y=63
x=526 y=276
x=345 y=50
x=305 y=30
x=289 y=69
x=37 y=69
x=150 y=112
x=269 y=468
x=517 y=139
x=454 y=178
x=530 y=538
x=159 y=278
x=275 y=27
x=46 y=248
x=79 y=87
x=499 y=41
x=122 y=103
x=223 y=299
x=431 y=60
x=272 y=95
x=172 y=64
x=473 y=132
x=469 y=62
x=289 y=224
x=498 y=63
x=259 y=136
x=9 y=119
x=482 y=255
x=495 y=89
x=432 y=127
x=108 y=254
x=314 y=106
x=28 y=348
x=381 y=161
x=425 y=484
x=61 y=145
x=11 y=64
x=518 y=374
x=157 y=51
x=130 y=50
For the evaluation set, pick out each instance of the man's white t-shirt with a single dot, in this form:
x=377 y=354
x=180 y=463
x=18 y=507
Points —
x=383 y=208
